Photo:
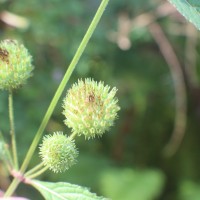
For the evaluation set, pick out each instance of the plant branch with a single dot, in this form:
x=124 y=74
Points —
x=126 y=25
x=73 y=135
x=191 y=55
x=37 y=173
x=9 y=161
x=34 y=169
x=179 y=87
x=59 y=91
x=12 y=129
x=12 y=187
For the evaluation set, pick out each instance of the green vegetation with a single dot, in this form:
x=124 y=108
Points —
x=145 y=49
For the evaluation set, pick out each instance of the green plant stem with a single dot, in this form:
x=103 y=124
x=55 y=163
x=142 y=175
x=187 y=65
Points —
x=37 y=173
x=72 y=136
x=12 y=187
x=34 y=169
x=9 y=161
x=12 y=129
x=60 y=89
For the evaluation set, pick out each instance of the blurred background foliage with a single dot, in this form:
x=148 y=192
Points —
x=154 y=84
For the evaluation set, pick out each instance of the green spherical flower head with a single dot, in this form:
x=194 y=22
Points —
x=58 y=152
x=15 y=64
x=90 y=108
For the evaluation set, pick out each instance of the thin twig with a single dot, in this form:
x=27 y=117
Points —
x=179 y=87
x=34 y=169
x=191 y=55
x=126 y=25
x=147 y=18
x=14 y=20
x=37 y=173
x=9 y=160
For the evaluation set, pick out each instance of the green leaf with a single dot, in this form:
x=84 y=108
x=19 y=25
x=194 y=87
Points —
x=190 y=9
x=63 y=191
x=189 y=190
x=128 y=184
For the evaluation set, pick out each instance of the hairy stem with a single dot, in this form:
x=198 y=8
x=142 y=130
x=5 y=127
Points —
x=37 y=173
x=12 y=129
x=34 y=169
x=12 y=187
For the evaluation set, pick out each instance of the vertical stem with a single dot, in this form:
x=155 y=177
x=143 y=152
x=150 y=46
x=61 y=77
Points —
x=12 y=129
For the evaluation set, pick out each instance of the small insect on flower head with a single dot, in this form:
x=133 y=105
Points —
x=15 y=64
x=90 y=108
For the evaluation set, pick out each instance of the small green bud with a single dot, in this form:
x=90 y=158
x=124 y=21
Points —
x=58 y=152
x=90 y=108
x=15 y=64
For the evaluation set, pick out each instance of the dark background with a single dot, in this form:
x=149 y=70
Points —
x=151 y=54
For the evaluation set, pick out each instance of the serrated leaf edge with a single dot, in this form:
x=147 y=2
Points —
x=40 y=185
x=37 y=184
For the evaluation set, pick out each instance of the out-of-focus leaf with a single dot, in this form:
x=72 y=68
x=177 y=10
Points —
x=190 y=9
x=63 y=191
x=130 y=184
x=13 y=198
x=189 y=190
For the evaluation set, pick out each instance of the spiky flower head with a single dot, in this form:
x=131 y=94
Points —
x=90 y=108
x=15 y=64
x=58 y=152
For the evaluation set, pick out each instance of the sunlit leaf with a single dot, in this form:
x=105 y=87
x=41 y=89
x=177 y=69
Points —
x=190 y=9
x=63 y=191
